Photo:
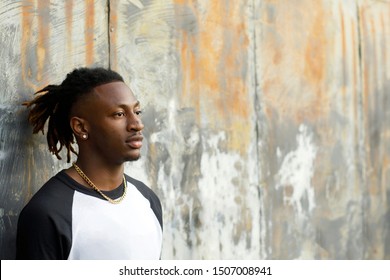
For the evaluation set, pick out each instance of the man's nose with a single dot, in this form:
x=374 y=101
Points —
x=135 y=123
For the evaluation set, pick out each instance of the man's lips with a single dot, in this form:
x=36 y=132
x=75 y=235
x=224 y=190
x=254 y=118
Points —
x=135 y=141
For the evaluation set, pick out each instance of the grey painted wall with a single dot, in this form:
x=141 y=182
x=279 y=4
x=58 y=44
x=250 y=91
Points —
x=267 y=122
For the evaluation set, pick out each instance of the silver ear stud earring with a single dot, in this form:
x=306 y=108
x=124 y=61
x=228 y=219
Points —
x=84 y=136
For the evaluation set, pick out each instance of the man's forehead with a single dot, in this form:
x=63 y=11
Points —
x=115 y=92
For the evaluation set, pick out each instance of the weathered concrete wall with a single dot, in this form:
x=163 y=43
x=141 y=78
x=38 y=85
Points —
x=267 y=122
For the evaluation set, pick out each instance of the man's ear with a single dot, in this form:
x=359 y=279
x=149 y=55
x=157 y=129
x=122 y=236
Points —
x=79 y=127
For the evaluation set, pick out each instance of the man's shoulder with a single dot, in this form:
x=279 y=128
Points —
x=150 y=195
x=49 y=197
x=46 y=218
x=142 y=187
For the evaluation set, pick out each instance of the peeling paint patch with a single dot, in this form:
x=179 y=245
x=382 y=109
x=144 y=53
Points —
x=296 y=172
x=228 y=211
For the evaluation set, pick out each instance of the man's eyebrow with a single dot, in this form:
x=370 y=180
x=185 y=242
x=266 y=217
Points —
x=136 y=104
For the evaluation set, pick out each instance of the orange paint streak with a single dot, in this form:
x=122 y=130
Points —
x=27 y=18
x=374 y=55
x=190 y=85
x=385 y=38
x=365 y=77
x=295 y=85
x=113 y=34
x=43 y=36
x=190 y=82
x=210 y=47
x=89 y=31
x=315 y=69
x=343 y=43
x=214 y=63
x=355 y=79
x=315 y=56
x=69 y=28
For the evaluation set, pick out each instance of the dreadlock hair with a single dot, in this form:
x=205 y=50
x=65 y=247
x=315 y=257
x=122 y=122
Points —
x=54 y=103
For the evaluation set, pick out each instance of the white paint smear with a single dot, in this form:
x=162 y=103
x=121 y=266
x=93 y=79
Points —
x=225 y=204
x=297 y=171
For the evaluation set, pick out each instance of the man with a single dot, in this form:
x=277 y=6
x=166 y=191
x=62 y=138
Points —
x=91 y=210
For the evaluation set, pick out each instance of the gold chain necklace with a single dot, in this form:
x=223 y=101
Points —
x=82 y=174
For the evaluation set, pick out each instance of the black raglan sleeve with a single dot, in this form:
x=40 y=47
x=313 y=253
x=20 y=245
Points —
x=44 y=227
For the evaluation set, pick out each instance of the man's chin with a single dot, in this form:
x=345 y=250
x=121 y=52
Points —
x=133 y=158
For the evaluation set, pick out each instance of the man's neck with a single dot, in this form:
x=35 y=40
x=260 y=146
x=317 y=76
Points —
x=106 y=177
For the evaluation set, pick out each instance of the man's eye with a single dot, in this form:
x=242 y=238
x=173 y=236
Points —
x=119 y=114
x=139 y=112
